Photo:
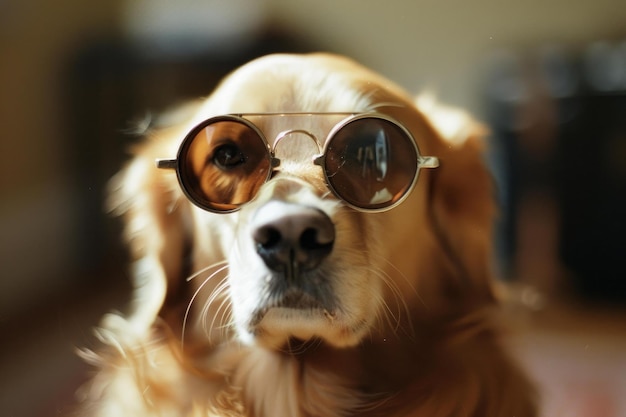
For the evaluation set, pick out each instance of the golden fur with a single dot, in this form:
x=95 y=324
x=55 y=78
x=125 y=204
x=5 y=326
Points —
x=414 y=333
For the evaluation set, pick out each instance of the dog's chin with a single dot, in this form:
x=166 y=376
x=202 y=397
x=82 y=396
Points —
x=291 y=328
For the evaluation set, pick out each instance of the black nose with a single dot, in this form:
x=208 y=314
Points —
x=291 y=238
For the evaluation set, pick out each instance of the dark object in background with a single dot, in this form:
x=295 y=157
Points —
x=593 y=177
x=559 y=125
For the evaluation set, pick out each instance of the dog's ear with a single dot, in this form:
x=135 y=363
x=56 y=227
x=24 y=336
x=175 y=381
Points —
x=157 y=227
x=462 y=206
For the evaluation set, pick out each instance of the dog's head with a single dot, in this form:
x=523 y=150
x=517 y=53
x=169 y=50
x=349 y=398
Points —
x=295 y=239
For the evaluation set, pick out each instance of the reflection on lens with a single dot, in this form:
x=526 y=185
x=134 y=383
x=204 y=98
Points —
x=371 y=163
x=224 y=163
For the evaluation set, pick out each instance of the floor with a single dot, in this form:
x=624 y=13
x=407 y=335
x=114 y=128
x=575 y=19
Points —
x=577 y=355
x=39 y=369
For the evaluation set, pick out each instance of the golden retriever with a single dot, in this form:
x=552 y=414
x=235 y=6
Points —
x=312 y=242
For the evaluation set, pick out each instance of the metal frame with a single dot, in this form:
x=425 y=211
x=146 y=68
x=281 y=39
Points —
x=319 y=159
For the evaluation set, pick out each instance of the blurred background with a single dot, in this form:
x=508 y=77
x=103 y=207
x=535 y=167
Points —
x=549 y=78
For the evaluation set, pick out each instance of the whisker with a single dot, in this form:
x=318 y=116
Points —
x=200 y=287
x=394 y=316
x=407 y=280
x=400 y=303
x=227 y=320
x=220 y=291
x=226 y=317
x=217 y=292
x=203 y=270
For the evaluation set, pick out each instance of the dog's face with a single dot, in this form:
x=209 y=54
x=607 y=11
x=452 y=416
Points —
x=295 y=262
x=301 y=264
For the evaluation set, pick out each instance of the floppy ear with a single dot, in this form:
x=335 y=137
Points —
x=157 y=228
x=462 y=206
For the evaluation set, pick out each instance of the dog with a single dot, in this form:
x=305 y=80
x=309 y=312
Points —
x=311 y=241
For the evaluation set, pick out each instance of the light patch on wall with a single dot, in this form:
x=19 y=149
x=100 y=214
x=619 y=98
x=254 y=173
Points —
x=191 y=26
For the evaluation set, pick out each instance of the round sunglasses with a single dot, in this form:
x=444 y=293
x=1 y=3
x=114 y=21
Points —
x=370 y=161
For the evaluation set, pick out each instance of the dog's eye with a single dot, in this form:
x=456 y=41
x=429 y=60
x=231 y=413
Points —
x=228 y=156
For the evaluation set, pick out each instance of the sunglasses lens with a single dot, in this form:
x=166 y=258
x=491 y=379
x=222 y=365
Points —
x=371 y=163
x=223 y=165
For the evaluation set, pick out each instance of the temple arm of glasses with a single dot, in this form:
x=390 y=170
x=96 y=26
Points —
x=429 y=162
x=166 y=163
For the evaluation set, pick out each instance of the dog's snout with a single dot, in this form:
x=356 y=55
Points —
x=291 y=237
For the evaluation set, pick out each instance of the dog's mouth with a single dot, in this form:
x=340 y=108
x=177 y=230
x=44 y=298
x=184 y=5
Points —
x=298 y=301
x=307 y=310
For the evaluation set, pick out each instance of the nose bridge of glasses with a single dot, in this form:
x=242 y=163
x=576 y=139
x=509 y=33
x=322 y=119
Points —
x=296 y=145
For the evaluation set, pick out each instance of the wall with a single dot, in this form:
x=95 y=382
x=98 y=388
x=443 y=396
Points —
x=37 y=230
x=443 y=44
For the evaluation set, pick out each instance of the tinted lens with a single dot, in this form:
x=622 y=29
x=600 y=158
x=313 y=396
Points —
x=223 y=164
x=371 y=163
